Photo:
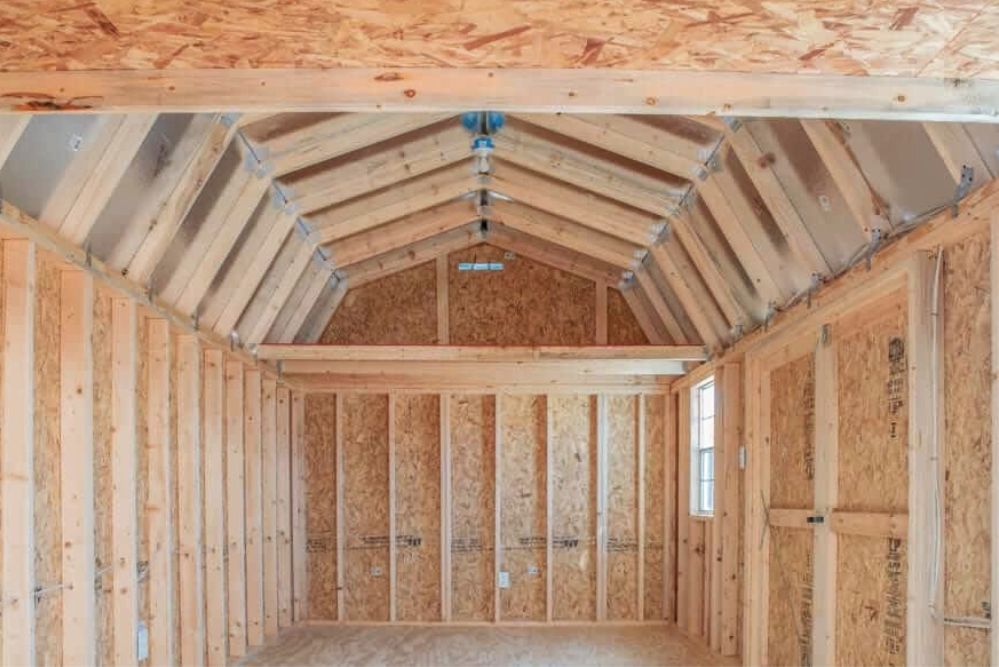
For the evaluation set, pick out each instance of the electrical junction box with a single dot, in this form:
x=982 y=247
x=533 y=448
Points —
x=504 y=580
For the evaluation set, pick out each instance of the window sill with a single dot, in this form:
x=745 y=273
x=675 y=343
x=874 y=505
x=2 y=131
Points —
x=703 y=517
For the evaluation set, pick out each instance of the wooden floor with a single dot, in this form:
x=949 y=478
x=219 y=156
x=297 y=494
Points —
x=469 y=646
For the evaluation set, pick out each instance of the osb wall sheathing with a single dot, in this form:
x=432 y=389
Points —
x=792 y=486
x=792 y=434
x=527 y=303
x=622 y=508
x=399 y=309
x=622 y=327
x=48 y=509
x=789 y=640
x=873 y=476
x=320 y=499
x=966 y=445
x=522 y=510
x=418 y=508
x=473 y=456
x=655 y=505
x=366 y=515
x=103 y=521
x=573 y=522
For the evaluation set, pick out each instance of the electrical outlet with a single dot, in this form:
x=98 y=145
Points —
x=376 y=571
x=533 y=570
x=504 y=580
x=142 y=642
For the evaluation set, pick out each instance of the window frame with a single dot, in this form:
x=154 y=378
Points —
x=699 y=450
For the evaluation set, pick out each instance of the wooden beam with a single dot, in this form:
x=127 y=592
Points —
x=102 y=180
x=164 y=222
x=727 y=534
x=497 y=505
x=434 y=248
x=826 y=435
x=254 y=471
x=17 y=444
x=269 y=488
x=561 y=231
x=590 y=210
x=300 y=583
x=282 y=289
x=549 y=512
x=642 y=445
x=11 y=129
x=600 y=305
x=531 y=150
x=663 y=310
x=601 y=507
x=398 y=233
x=693 y=305
x=407 y=198
x=572 y=370
x=957 y=150
x=393 y=513
x=283 y=505
x=849 y=179
x=502 y=353
x=336 y=136
x=435 y=384
x=236 y=507
x=319 y=281
x=924 y=628
x=124 y=466
x=160 y=495
x=76 y=435
x=190 y=580
x=443 y=314
x=618 y=135
x=994 y=423
x=209 y=253
x=380 y=167
x=248 y=269
x=322 y=312
x=581 y=90
x=341 y=545
x=635 y=298
x=775 y=197
x=213 y=430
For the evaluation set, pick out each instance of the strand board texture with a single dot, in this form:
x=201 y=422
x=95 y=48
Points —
x=531 y=427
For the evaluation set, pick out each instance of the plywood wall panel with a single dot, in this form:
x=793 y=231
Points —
x=622 y=508
x=366 y=515
x=473 y=447
x=417 y=513
x=527 y=303
x=967 y=444
x=574 y=520
x=320 y=478
x=102 y=470
x=523 y=504
x=792 y=433
x=655 y=505
x=400 y=309
x=790 y=593
x=622 y=326
x=870 y=601
x=873 y=409
x=47 y=502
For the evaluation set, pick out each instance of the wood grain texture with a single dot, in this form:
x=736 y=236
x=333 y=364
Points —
x=472 y=506
x=792 y=432
x=622 y=326
x=417 y=514
x=656 y=490
x=790 y=609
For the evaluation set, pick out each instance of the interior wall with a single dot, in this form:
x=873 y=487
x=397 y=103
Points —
x=848 y=402
x=527 y=303
x=523 y=473
x=124 y=476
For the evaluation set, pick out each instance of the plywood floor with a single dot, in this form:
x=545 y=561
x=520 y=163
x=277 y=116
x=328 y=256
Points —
x=469 y=646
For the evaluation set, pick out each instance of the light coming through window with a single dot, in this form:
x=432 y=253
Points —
x=702 y=448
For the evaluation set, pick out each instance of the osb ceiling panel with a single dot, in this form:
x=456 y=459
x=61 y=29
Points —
x=941 y=38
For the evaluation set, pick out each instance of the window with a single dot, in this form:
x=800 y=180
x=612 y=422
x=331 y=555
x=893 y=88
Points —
x=702 y=448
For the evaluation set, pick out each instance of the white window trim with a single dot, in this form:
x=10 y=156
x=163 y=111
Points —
x=696 y=448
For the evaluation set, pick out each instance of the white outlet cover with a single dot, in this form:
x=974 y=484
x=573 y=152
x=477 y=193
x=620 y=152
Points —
x=504 y=580
x=533 y=570
x=376 y=571
x=142 y=642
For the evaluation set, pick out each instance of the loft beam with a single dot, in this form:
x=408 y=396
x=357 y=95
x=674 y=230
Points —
x=505 y=353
